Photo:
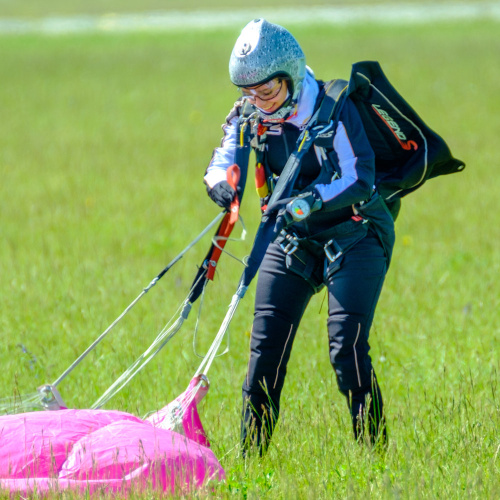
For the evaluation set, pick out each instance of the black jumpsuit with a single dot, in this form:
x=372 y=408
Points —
x=286 y=283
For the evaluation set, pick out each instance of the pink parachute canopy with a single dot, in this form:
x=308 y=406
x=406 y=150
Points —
x=106 y=451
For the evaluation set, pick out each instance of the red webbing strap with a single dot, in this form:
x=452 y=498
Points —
x=228 y=222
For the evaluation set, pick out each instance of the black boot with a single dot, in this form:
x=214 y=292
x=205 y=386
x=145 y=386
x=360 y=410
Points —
x=257 y=426
x=368 y=419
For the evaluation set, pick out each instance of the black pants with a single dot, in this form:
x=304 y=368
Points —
x=281 y=299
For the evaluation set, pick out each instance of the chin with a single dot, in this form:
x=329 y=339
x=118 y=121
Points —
x=270 y=110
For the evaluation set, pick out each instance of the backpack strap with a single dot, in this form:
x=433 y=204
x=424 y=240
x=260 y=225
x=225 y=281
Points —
x=333 y=91
x=331 y=99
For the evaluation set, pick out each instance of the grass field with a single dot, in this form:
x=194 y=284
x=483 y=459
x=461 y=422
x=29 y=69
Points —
x=103 y=145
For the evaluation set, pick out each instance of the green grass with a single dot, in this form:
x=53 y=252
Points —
x=103 y=145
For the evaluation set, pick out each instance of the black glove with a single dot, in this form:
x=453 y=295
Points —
x=222 y=194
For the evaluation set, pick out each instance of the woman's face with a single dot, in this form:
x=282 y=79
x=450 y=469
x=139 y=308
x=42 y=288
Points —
x=268 y=96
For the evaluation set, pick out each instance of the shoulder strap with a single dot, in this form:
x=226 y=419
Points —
x=321 y=121
x=333 y=90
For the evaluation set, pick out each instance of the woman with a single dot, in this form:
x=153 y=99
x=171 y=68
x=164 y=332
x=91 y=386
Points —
x=326 y=242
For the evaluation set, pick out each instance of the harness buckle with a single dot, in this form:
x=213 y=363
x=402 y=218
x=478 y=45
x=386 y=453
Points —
x=290 y=242
x=332 y=255
x=323 y=130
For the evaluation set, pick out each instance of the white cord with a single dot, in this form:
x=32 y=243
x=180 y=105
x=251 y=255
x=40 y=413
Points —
x=132 y=304
x=166 y=334
x=17 y=404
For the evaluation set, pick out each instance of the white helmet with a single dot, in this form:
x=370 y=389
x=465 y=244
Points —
x=264 y=51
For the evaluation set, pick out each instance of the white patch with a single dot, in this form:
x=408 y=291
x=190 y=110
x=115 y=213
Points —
x=247 y=42
x=275 y=130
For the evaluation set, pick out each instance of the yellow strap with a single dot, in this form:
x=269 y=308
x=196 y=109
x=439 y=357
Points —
x=242 y=130
x=306 y=135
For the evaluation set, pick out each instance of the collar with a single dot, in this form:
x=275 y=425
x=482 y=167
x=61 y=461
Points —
x=306 y=103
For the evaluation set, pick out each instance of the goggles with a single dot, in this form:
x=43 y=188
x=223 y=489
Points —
x=265 y=91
